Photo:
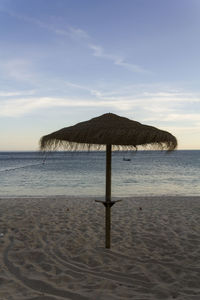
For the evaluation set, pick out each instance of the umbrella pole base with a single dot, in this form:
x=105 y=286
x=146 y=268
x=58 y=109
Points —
x=108 y=205
x=108 y=224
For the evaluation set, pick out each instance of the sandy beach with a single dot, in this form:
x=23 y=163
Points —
x=53 y=248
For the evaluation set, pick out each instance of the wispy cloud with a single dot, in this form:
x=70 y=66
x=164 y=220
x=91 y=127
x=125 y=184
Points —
x=78 y=33
x=4 y=94
x=154 y=99
x=72 y=32
x=171 y=117
x=91 y=91
x=98 y=51
x=163 y=111
x=82 y=36
x=154 y=109
x=17 y=68
x=23 y=106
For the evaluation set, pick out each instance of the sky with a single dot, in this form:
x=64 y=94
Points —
x=67 y=61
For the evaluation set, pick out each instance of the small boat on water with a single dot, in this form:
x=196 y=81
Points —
x=126 y=159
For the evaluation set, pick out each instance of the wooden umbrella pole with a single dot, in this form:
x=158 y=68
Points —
x=108 y=172
x=108 y=203
x=108 y=194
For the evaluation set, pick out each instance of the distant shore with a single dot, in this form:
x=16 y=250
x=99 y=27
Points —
x=53 y=248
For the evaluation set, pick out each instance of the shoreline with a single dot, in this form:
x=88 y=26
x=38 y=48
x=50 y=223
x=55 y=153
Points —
x=98 y=197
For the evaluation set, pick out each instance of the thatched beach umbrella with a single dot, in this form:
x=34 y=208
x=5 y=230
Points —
x=112 y=132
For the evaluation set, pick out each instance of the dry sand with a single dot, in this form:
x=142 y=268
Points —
x=54 y=249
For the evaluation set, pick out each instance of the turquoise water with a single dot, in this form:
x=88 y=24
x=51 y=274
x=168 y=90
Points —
x=82 y=173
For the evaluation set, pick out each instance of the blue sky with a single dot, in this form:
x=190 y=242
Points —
x=66 y=61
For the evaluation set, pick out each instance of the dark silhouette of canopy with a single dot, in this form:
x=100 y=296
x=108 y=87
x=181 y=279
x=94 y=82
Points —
x=110 y=129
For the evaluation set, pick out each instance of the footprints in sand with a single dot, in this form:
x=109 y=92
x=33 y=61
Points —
x=54 y=249
x=36 y=284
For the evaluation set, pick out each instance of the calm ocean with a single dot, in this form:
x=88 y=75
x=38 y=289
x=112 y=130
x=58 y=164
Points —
x=82 y=173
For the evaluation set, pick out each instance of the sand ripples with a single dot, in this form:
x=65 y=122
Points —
x=54 y=249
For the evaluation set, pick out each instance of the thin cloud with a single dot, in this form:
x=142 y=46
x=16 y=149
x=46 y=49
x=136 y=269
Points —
x=151 y=101
x=182 y=117
x=18 y=69
x=152 y=109
x=81 y=35
x=23 y=106
x=91 y=91
x=72 y=32
x=16 y=93
x=98 y=51
x=78 y=33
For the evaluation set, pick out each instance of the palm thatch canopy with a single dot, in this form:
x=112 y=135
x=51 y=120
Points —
x=111 y=129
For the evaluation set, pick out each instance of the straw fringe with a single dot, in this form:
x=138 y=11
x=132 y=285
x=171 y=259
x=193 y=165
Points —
x=121 y=133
